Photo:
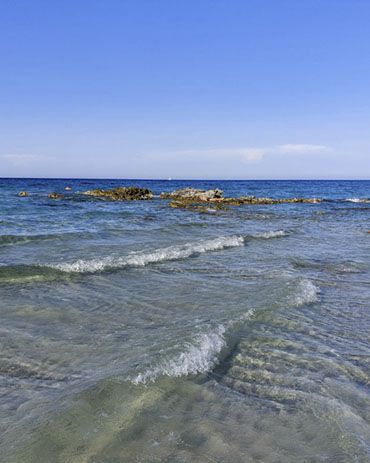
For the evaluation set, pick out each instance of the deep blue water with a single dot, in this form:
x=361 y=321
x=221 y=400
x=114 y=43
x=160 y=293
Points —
x=132 y=331
x=329 y=189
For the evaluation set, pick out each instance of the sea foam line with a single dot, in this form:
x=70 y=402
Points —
x=140 y=259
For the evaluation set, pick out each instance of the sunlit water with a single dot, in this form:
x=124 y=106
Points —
x=134 y=332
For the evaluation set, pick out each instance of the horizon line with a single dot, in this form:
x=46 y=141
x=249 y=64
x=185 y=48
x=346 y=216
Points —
x=191 y=179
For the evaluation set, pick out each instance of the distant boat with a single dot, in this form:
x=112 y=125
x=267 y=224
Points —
x=169 y=178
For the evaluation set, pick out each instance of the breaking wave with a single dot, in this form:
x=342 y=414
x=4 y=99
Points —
x=198 y=356
x=140 y=259
x=18 y=272
x=306 y=293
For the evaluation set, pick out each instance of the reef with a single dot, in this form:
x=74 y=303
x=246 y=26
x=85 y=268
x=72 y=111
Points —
x=191 y=198
x=186 y=198
x=122 y=193
x=193 y=194
x=199 y=207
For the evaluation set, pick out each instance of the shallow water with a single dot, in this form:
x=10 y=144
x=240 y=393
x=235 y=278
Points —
x=133 y=332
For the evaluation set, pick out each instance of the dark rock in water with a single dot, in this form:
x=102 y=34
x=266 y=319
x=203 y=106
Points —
x=23 y=193
x=191 y=198
x=191 y=194
x=55 y=195
x=94 y=193
x=247 y=198
x=300 y=200
x=188 y=197
x=201 y=208
x=122 y=193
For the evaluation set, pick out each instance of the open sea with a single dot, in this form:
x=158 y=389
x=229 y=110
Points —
x=135 y=332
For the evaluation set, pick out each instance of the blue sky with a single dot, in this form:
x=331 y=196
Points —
x=244 y=89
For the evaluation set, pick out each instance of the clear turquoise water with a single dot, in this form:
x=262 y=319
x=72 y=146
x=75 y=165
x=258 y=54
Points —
x=134 y=332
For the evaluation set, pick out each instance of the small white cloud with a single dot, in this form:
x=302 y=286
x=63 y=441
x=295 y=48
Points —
x=256 y=154
x=290 y=148
x=252 y=154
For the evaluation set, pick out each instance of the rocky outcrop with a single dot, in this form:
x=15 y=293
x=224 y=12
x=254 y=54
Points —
x=187 y=198
x=253 y=200
x=191 y=198
x=193 y=194
x=122 y=193
x=201 y=208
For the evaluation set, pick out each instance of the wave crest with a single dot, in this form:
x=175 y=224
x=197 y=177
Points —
x=306 y=293
x=198 y=356
x=140 y=259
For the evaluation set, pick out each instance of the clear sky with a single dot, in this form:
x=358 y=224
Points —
x=243 y=89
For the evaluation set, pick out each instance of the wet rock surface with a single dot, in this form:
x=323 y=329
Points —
x=122 y=193
x=192 y=194
x=191 y=198
x=176 y=204
x=186 y=198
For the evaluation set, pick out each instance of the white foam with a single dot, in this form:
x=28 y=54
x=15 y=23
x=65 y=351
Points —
x=140 y=259
x=271 y=234
x=306 y=293
x=358 y=200
x=199 y=356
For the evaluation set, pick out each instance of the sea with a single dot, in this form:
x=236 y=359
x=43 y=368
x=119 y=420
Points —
x=131 y=331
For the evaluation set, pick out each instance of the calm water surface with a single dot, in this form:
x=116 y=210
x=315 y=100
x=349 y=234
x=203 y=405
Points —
x=134 y=332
